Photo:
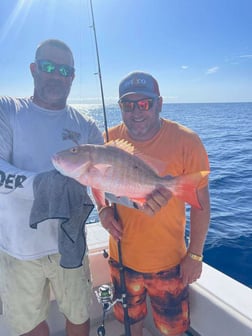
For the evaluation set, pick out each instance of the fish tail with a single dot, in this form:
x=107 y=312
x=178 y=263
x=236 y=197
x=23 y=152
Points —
x=185 y=187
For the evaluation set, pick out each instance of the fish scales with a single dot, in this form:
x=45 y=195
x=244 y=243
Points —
x=115 y=169
x=127 y=175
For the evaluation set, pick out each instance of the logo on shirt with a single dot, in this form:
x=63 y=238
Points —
x=71 y=135
x=11 y=181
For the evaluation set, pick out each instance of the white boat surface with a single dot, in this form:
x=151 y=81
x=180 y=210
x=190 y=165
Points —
x=219 y=305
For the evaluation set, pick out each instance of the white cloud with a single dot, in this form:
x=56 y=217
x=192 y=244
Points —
x=184 y=67
x=212 y=70
x=171 y=97
x=246 y=56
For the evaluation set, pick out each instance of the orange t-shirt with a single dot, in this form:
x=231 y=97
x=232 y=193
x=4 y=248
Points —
x=152 y=244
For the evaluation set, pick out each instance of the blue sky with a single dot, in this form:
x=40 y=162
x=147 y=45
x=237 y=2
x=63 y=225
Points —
x=199 y=50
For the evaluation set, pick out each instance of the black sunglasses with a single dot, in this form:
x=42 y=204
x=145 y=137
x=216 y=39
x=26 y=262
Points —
x=50 y=67
x=144 y=104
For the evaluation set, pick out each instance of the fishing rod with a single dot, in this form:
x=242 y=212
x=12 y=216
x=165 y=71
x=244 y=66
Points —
x=104 y=296
x=99 y=72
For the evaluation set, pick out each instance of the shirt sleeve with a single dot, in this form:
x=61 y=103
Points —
x=12 y=179
x=5 y=135
x=16 y=181
x=196 y=158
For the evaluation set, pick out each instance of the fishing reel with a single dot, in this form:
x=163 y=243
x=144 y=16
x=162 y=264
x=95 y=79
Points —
x=104 y=295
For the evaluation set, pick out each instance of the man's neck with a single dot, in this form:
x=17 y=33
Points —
x=57 y=105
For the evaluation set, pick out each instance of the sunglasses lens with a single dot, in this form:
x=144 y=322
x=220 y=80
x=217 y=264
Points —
x=127 y=106
x=65 y=70
x=50 y=67
x=46 y=66
x=144 y=105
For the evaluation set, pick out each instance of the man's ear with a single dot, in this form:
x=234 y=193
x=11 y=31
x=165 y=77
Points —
x=159 y=104
x=33 y=68
x=73 y=76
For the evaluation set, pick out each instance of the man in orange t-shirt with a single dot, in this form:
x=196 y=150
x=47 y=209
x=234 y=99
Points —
x=156 y=259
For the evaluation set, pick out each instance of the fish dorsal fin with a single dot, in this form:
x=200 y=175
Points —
x=122 y=144
x=157 y=165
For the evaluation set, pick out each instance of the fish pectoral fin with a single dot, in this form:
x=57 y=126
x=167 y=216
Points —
x=101 y=167
x=99 y=196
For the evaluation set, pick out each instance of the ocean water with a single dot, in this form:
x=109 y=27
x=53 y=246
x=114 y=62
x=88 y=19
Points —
x=226 y=131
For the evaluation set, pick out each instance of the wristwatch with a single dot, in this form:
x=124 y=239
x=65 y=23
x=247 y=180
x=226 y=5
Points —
x=195 y=256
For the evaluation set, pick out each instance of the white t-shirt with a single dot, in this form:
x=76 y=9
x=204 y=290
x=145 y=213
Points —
x=29 y=136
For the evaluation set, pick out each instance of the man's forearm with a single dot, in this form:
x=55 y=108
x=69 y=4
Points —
x=199 y=223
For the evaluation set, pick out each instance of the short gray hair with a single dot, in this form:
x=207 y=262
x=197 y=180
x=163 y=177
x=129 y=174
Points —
x=54 y=43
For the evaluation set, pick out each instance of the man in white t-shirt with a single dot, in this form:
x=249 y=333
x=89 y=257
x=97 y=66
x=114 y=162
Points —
x=31 y=131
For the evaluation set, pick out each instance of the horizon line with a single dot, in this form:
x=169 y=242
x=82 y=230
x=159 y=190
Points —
x=95 y=102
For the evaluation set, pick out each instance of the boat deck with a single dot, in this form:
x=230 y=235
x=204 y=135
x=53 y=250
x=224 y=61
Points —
x=97 y=238
x=219 y=305
x=112 y=328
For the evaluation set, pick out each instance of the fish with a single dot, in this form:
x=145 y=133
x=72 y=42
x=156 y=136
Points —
x=118 y=168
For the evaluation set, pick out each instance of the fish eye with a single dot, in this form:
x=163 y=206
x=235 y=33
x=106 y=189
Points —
x=74 y=150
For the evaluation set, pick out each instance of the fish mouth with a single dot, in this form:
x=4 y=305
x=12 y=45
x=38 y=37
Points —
x=56 y=163
x=56 y=160
x=59 y=164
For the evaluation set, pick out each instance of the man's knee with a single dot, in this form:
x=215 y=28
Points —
x=78 y=329
x=40 y=330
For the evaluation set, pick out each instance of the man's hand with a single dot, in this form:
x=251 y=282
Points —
x=108 y=221
x=190 y=270
x=156 y=200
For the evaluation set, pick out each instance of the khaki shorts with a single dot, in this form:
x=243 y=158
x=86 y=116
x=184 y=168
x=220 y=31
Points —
x=25 y=290
x=168 y=297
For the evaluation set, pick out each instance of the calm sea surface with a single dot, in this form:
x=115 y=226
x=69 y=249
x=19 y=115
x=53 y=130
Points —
x=226 y=131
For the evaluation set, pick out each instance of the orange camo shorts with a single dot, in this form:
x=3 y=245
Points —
x=168 y=297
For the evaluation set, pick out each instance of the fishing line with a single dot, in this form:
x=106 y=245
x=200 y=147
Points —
x=99 y=72
x=116 y=216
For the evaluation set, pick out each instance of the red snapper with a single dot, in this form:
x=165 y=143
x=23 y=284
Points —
x=116 y=168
